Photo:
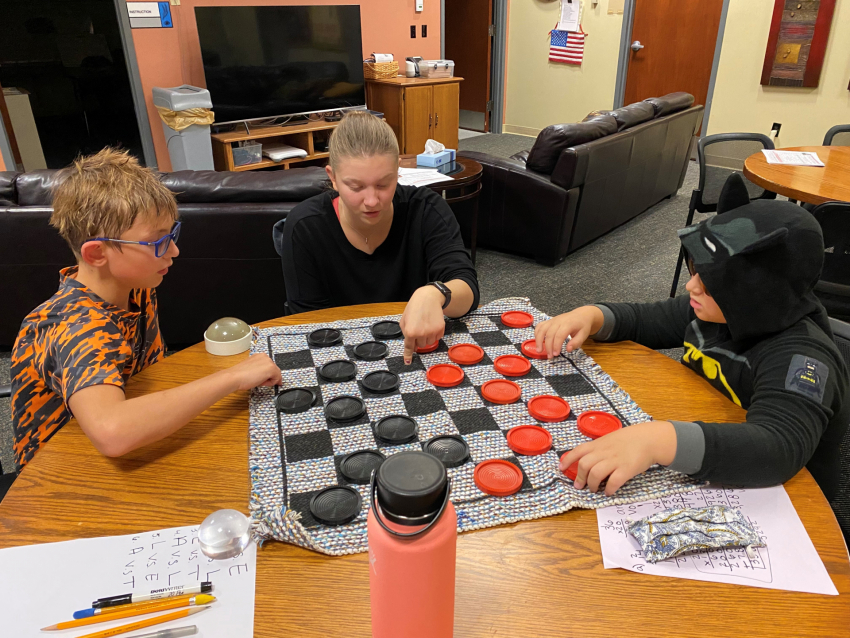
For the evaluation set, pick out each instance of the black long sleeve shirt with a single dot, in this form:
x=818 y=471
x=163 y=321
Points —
x=322 y=269
x=793 y=384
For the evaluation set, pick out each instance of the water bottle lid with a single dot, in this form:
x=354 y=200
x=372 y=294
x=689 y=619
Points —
x=411 y=487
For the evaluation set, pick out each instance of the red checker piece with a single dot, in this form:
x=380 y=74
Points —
x=501 y=391
x=595 y=424
x=529 y=440
x=512 y=365
x=430 y=348
x=517 y=319
x=466 y=354
x=498 y=477
x=572 y=471
x=529 y=349
x=549 y=408
x=445 y=375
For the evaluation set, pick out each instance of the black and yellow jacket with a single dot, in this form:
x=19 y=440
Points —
x=775 y=356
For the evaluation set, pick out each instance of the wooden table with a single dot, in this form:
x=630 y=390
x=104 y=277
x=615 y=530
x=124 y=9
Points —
x=535 y=578
x=810 y=184
x=464 y=185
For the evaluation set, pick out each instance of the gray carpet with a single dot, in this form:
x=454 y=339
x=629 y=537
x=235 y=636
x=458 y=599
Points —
x=632 y=263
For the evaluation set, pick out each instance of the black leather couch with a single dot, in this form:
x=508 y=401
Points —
x=227 y=264
x=579 y=181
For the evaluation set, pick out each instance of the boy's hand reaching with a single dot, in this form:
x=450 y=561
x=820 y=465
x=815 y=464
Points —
x=577 y=324
x=256 y=370
x=621 y=455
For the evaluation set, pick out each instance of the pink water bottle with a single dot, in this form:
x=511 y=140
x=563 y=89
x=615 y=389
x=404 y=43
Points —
x=412 y=528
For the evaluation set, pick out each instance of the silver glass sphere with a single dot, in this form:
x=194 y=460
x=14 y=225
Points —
x=224 y=534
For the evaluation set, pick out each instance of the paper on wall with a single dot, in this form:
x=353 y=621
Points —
x=570 y=19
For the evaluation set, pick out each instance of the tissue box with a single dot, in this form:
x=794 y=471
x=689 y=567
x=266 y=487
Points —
x=437 y=159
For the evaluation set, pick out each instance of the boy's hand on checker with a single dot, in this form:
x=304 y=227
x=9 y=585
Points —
x=622 y=455
x=256 y=370
x=577 y=324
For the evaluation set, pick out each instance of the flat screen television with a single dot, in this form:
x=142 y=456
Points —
x=262 y=62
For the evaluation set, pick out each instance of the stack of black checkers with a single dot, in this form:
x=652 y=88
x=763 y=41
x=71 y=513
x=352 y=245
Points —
x=396 y=429
x=295 y=400
x=386 y=330
x=336 y=505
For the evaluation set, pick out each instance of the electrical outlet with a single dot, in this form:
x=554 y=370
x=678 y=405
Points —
x=424 y=30
x=776 y=126
x=412 y=30
x=420 y=6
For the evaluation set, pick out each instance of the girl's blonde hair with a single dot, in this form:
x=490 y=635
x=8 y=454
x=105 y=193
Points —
x=361 y=134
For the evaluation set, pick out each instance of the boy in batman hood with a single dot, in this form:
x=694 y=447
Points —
x=753 y=328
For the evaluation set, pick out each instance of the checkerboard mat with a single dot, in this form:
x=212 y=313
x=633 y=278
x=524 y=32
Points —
x=293 y=456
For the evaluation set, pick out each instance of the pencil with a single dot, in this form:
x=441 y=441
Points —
x=138 y=609
x=85 y=613
x=141 y=624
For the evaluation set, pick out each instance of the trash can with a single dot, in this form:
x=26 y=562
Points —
x=186 y=118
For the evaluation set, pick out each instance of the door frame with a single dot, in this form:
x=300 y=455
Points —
x=6 y=147
x=625 y=56
x=497 y=59
x=136 y=89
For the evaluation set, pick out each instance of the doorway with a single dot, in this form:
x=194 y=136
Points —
x=474 y=33
x=670 y=45
x=66 y=82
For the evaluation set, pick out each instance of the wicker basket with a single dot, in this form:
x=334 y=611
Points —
x=380 y=70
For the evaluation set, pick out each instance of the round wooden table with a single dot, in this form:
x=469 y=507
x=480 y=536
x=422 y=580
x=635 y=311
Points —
x=810 y=184
x=464 y=185
x=535 y=578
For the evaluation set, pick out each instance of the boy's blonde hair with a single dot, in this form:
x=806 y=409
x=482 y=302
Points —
x=102 y=195
x=361 y=134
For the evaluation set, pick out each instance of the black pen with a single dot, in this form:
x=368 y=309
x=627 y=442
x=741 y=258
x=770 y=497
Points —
x=165 y=592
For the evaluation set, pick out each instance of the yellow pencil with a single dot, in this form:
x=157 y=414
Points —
x=136 y=609
x=144 y=623
x=145 y=603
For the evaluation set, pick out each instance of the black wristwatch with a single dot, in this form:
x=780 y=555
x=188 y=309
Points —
x=443 y=288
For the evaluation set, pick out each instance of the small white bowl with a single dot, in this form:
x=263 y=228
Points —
x=230 y=347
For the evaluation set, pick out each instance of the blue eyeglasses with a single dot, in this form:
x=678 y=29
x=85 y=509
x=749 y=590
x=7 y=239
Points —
x=160 y=245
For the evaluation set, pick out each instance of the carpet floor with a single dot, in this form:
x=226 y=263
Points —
x=631 y=263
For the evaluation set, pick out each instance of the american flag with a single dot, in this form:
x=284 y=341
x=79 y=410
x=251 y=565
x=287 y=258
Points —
x=566 y=46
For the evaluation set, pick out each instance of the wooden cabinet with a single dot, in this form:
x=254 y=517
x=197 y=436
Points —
x=418 y=109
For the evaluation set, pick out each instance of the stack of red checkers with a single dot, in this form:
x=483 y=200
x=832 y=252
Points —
x=501 y=391
x=595 y=424
x=512 y=365
x=572 y=471
x=498 y=477
x=549 y=408
x=428 y=349
x=445 y=375
x=529 y=440
x=466 y=354
x=529 y=349
x=517 y=319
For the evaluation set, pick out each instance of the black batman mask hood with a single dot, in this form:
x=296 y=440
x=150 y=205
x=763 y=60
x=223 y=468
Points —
x=760 y=261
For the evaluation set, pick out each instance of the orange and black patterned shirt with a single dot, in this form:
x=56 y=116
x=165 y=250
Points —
x=72 y=341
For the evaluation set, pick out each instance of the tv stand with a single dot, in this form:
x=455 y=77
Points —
x=305 y=135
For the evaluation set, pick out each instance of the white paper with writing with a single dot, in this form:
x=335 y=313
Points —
x=789 y=561
x=792 y=158
x=42 y=585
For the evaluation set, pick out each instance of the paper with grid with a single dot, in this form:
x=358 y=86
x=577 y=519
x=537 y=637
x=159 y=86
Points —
x=293 y=456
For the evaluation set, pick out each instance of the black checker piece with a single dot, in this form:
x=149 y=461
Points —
x=295 y=400
x=396 y=429
x=451 y=449
x=371 y=350
x=381 y=382
x=357 y=467
x=345 y=408
x=336 y=505
x=338 y=371
x=386 y=330
x=324 y=337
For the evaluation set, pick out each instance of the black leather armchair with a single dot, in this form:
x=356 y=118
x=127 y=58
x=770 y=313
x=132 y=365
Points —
x=227 y=263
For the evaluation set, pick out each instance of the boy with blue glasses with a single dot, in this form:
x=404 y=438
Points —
x=76 y=351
